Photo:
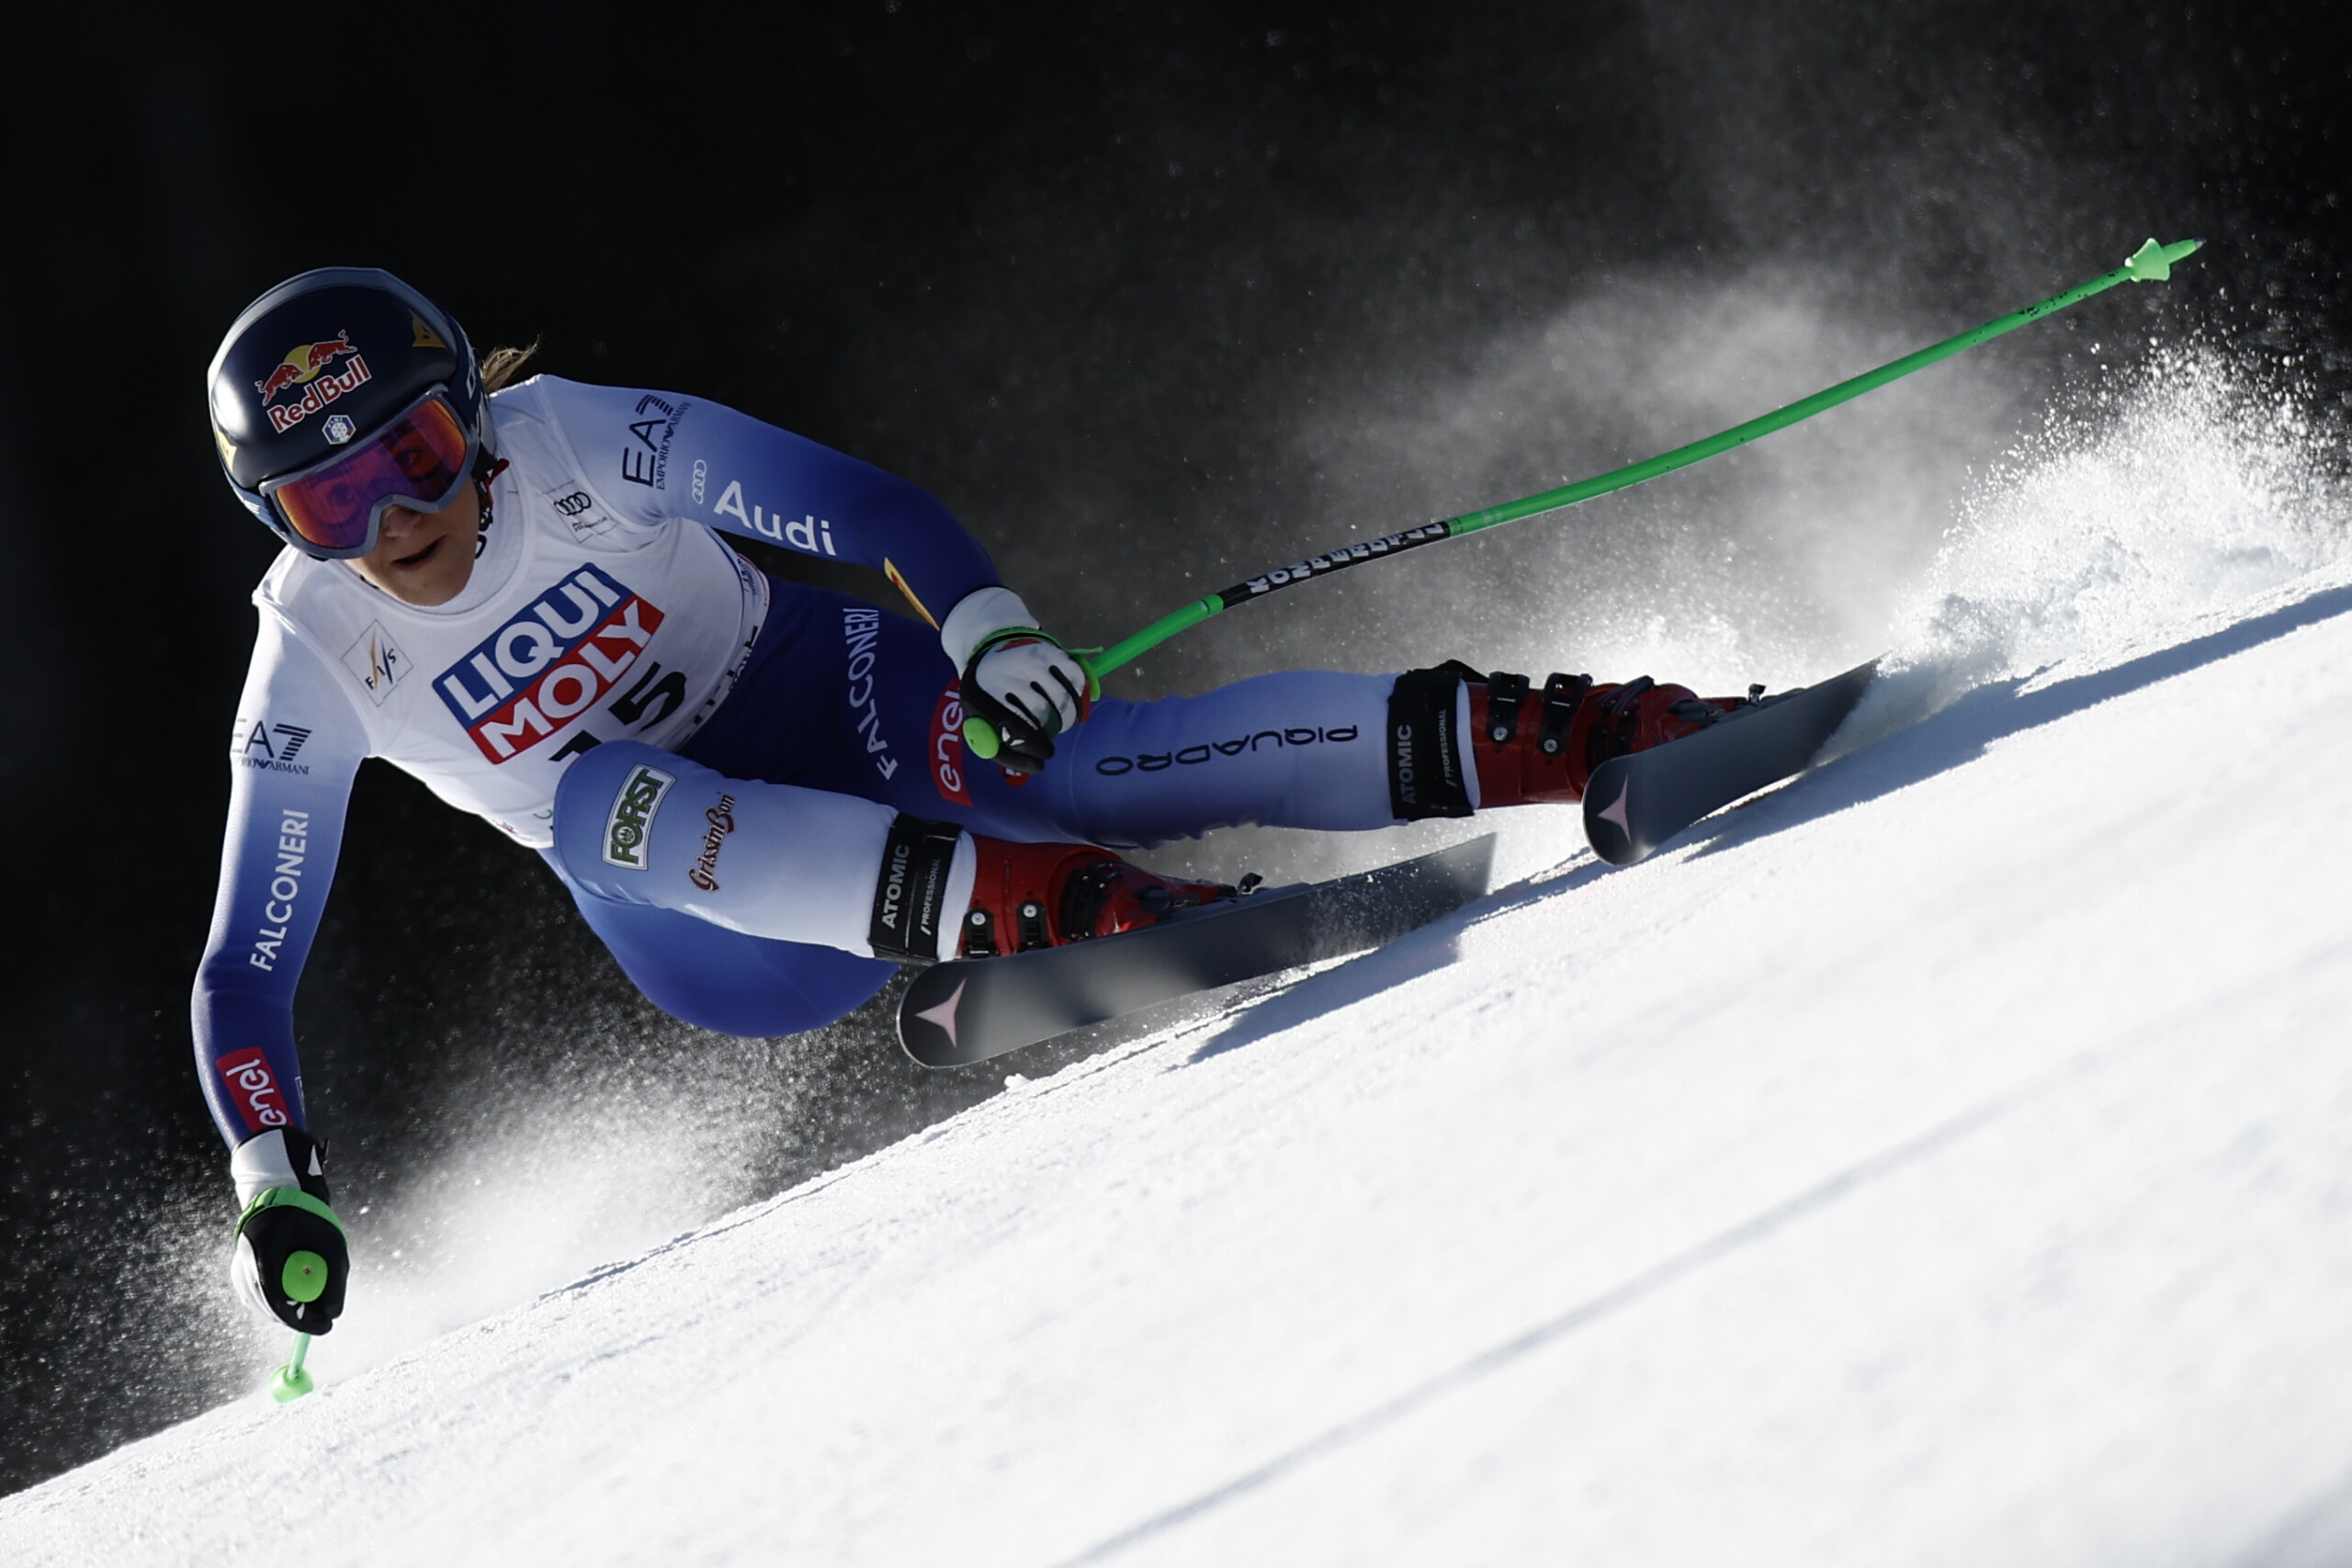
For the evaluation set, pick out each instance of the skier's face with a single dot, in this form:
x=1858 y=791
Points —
x=425 y=557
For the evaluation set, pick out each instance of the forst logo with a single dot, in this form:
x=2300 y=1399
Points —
x=630 y=820
x=562 y=655
x=253 y=1089
x=306 y=366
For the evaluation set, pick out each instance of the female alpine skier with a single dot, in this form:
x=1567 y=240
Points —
x=756 y=792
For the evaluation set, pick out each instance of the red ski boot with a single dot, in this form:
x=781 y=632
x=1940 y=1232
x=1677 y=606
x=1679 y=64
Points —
x=1544 y=750
x=1026 y=895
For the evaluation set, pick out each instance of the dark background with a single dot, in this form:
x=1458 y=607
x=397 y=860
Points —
x=1151 y=296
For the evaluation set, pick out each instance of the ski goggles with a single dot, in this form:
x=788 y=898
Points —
x=420 y=459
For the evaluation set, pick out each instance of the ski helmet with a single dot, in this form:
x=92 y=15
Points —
x=341 y=393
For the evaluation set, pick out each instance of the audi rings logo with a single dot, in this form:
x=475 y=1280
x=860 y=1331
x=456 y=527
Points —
x=1193 y=756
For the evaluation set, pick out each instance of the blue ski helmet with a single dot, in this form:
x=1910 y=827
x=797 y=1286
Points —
x=345 y=373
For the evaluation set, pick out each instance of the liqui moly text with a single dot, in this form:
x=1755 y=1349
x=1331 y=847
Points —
x=549 y=665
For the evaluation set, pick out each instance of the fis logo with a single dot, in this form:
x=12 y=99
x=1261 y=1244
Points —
x=549 y=664
x=253 y=1090
x=307 y=365
x=630 y=820
x=377 y=661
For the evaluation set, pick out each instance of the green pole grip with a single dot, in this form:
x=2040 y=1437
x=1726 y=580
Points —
x=1102 y=661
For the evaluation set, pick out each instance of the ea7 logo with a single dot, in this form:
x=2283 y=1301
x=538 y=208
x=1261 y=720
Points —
x=252 y=1089
x=630 y=821
x=270 y=747
x=647 y=460
x=256 y=739
x=549 y=664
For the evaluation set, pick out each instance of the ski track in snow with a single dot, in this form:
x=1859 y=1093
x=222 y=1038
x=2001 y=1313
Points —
x=1940 y=1159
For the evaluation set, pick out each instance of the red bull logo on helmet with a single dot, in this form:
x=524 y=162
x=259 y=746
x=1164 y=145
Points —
x=308 y=367
x=550 y=664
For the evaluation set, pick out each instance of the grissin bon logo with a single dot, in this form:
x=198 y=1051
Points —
x=551 y=663
x=252 y=1089
x=704 y=872
x=306 y=366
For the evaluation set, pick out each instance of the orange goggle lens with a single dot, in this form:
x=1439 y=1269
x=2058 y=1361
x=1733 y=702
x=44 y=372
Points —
x=419 y=458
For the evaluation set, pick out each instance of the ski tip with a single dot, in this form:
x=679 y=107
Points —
x=929 y=1019
x=1607 y=819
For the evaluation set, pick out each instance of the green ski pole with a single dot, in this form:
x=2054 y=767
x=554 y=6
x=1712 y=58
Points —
x=2151 y=263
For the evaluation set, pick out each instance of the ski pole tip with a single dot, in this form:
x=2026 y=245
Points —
x=291 y=1380
x=2151 y=263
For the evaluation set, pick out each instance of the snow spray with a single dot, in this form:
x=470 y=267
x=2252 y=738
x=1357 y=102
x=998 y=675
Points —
x=2151 y=264
x=2184 y=484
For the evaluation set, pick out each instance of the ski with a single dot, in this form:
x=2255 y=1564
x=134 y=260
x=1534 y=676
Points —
x=1635 y=804
x=970 y=1009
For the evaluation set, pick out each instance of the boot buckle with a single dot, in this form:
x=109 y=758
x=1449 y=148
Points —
x=1504 y=694
x=1562 y=696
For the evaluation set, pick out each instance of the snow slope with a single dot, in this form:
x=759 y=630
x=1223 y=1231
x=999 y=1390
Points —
x=1947 y=1159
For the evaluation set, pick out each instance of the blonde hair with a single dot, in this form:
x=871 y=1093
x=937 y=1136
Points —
x=498 y=367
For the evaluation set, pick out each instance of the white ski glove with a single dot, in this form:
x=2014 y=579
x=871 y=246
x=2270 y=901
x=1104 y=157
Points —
x=1022 y=687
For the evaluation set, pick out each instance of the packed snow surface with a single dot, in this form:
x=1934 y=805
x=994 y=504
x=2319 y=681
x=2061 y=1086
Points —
x=1944 y=1158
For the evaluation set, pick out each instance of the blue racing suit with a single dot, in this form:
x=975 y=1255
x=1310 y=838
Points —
x=608 y=628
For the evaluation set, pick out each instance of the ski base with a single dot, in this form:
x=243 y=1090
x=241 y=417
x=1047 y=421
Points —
x=970 y=1009
x=1635 y=804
